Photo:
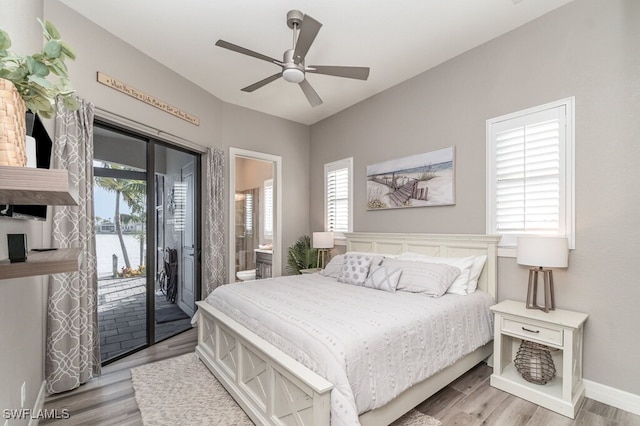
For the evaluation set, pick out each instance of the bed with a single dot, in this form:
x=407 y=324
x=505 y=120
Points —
x=275 y=385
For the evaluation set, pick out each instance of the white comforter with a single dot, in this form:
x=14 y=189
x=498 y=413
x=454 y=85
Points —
x=370 y=344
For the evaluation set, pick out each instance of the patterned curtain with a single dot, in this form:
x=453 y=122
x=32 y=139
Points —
x=73 y=346
x=213 y=244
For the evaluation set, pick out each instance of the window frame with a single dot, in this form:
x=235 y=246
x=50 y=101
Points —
x=567 y=171
x=328 y=168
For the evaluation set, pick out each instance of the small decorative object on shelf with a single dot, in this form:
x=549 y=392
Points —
x=533 y=361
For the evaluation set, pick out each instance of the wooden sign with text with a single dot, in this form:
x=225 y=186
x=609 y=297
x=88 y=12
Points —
x=148 y=99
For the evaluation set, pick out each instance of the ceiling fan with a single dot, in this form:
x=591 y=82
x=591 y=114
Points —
x=305 y=29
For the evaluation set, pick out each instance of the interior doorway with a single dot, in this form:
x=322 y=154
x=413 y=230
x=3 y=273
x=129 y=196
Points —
x=146 y=203
x=255 y=200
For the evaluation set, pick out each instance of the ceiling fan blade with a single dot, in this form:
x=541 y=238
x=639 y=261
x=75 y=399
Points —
x=359 y=73
x=310 y=93
x=261 y=83
x=308 y=31
x=239 y=49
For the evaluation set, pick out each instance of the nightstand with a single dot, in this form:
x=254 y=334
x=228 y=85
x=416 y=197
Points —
x=557 y=329
x=310 y=270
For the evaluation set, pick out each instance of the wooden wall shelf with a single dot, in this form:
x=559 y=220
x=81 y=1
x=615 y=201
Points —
x=27 y=185
x=42 y=263
x=32 y=186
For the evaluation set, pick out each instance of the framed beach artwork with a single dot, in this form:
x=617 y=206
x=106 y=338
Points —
x=417 y=181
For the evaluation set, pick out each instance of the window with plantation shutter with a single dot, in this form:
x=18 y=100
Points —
x=530 y=173
x=338 y=196
x=248 y=213
x=268 y=209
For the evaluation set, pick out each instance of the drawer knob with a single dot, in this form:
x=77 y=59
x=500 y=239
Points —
x=531 y=331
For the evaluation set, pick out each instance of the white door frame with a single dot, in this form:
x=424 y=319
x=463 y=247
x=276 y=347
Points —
x=277 y=207
x=188 y=305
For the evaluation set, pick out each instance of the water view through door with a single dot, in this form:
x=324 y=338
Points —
x=147 y=241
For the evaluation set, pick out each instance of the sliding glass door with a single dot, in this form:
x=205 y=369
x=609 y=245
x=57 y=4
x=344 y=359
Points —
x=147 y=239
x=177 y=246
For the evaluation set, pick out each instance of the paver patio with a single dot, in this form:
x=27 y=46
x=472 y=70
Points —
x=122 y=316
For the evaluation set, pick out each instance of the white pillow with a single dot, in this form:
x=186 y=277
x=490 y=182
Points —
x=355 y=269
x=476 y=270
x=334 y=266
x=461 y=283
x=383 y=278
x=432 y=279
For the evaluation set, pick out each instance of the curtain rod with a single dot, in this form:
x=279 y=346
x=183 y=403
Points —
x=148 y=130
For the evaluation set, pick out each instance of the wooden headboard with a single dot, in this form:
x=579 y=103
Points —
x=442 y=245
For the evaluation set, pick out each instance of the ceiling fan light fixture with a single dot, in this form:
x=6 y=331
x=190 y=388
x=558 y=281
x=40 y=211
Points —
x=293 y=75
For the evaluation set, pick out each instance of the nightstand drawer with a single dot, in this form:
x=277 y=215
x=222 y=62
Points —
x=534 y=333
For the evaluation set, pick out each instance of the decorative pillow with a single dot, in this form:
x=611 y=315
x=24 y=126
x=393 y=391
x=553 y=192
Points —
x=461 y=283
x=376 y=258
x=476 y=270
x=355 y=269
x=334 y=266
x=432 y=279
x=383 y=278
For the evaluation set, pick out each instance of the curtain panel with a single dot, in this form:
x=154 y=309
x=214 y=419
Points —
x=72 y=342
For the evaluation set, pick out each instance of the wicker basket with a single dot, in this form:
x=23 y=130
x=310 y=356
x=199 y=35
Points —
x=12 y=126
x=533 y=361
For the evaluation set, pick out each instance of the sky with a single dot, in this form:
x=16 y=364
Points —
x=104 y=203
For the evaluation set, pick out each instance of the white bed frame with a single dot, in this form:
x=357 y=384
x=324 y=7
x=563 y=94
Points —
x=274 y=389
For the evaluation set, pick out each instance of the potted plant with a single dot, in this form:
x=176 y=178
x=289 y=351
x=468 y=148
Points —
x=25 y=82
x=301 y=255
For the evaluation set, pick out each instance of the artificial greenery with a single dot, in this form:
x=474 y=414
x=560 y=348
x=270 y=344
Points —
x=30 y=74
x=301 y=255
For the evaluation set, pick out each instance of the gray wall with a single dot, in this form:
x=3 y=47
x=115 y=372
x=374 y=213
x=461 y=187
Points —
x=588 y=49
x=22 y=301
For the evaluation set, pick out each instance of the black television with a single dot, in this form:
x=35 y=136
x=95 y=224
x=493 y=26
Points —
x=35 y=129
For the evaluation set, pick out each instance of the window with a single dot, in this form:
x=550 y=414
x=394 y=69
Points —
x=339 y=196
x=248 y=213
x=268 y=209
x=530 y=173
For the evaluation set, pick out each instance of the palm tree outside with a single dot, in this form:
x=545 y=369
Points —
x=133 y=192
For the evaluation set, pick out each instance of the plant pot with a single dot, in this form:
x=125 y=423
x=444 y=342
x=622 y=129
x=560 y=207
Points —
x=13 y=128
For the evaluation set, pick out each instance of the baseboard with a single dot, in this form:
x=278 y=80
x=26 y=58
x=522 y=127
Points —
x=611 y=396
x=39 y=404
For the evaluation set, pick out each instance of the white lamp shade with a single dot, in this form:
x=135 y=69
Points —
x=322 y=240
x=550 y=252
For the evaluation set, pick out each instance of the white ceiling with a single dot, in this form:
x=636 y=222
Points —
x=397 y=40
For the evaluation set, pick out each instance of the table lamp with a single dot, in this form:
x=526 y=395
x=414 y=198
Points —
x=323 y=241
x=542 y=252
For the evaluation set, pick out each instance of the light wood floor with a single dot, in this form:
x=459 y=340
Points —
x=469 y=401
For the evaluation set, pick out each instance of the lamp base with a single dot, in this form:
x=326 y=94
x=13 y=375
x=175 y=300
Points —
x=532 y=290
x=322 y=254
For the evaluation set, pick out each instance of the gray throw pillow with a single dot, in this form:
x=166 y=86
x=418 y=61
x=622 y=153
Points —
x=355 y=269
